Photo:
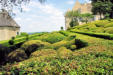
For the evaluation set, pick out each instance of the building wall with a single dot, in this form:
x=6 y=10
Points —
x=7 y=33
x=67 y=23
x=82 y=8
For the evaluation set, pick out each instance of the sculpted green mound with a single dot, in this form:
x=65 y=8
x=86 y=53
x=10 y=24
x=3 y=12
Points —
x=17 y=55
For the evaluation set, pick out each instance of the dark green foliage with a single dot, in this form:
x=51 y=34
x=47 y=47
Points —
x=11 y=42
x=31 y=48
x=102 y=7
x=73 y=47
x=64 y=33
x=86 y=17
x=3 y=53
x=74 y=23
x=24 y=34
x=100 y=35
x=27 y=37
x=80 y=43
x=109 y=30
x=53 y=37
x=62 y=28
x=17 y=55
x=71 y=37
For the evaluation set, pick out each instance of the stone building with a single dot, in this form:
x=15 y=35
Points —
x=8 y=27
x=82 y=8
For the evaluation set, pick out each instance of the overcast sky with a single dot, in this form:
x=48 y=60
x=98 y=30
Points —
x=47 y=17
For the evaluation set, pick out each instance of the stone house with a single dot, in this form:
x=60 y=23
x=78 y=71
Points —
x=82 y=8
x=8 y=27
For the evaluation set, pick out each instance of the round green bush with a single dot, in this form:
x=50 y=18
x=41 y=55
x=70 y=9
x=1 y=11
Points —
x=73 y=47
x=33 y=45
x=80 y=43
x=17 y=55
x=44 y=53
x=52 y=37
x=109 y=30
x=3 y=53
x=71 y=37
x=109 y=25
x=59 y=44
x=101 y=23
x=63 y=52
x=63 y=43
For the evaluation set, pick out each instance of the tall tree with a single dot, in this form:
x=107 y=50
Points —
x=102 y=7
x=9 y=4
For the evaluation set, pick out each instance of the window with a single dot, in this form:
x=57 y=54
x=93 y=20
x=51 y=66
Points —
x=17 y=33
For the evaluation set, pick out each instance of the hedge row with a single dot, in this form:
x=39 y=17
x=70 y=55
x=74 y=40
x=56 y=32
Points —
x=100 y=35
x=21 y=39
x=65 y=33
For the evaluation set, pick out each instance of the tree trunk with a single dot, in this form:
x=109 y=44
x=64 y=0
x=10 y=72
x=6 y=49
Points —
x=100 y=15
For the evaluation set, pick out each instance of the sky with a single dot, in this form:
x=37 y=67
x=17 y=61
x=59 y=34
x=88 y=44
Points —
x=45 y=17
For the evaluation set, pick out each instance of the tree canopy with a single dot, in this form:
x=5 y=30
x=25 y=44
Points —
x=72 y=14
x=104 y=7
x=86 y=17
x=9 y=4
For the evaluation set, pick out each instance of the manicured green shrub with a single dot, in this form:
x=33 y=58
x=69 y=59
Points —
x=60 y=44
x=101 y=23
x=109 y=30
x=52 y=37
x=17 y=55
x=33 y=45
x=100 y=35
x=65 y=33
x=27 y=37
x=62 y=28
x=63 y=43
x=69 y=43
x=3 y=53
x=11 y=42
x=71 y=37
x=109 y=25
x=23 y=33
x=100 y=30
x=44 y=53
x=28 y=43
x=73 y=47
x=80 y=43
x=63 y=52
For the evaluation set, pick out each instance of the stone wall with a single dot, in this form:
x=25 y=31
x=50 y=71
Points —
x=7 y=33
x=82 y=8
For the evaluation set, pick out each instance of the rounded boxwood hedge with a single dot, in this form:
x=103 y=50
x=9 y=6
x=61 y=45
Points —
x=109 y=30
x=52 y=37
x=109 y=25
x=3 y=53
x=63 y=52
x=44 y=52
x=17 y=55
x=33 y=45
